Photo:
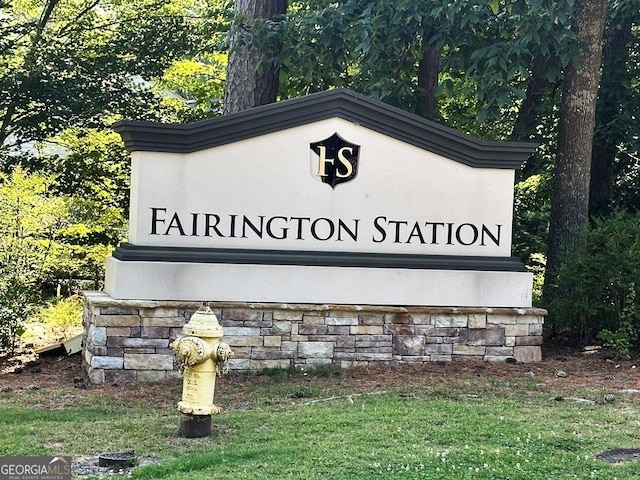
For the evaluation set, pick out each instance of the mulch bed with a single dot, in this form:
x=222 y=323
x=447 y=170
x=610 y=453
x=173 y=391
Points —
x=563 y=369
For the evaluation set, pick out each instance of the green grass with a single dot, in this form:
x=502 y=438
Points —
x=473 y=429
x=387 y=436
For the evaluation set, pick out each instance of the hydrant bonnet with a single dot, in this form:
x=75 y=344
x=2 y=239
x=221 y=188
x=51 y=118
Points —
x=203 y=323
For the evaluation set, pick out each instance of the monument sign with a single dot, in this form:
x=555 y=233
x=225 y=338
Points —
x=329 y=198
x=328 y=229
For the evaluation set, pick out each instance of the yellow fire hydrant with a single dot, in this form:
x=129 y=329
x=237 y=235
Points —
x=201 y=355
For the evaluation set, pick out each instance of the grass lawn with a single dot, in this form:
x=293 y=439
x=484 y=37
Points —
x=365 y=424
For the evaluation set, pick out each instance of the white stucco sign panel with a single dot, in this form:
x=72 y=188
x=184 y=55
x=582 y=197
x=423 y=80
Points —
x=261 y=193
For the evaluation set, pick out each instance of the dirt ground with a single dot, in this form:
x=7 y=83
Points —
x=566 y=373
x=566 y=370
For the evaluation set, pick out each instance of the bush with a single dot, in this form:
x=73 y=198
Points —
x=600 y=285
x=48 y=244
x=29 y=219
x=15 y=305
x=61 y=318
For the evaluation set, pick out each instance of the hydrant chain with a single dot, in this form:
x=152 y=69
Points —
x=223 y=354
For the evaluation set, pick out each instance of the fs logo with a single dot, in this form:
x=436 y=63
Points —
x=335 y=160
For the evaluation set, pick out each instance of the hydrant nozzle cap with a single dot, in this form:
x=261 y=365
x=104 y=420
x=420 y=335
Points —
x=203 y=323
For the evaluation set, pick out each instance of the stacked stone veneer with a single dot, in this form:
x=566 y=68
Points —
x=128 y=341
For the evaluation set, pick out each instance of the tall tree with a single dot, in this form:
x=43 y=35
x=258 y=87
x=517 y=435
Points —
x=570 y=201
x=614 y=91
x=252 y=72
x=527 y=117
x=428 y=70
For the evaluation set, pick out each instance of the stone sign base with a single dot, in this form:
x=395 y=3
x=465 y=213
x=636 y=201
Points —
x=128 y=340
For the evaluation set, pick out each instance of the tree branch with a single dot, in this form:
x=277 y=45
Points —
x=29 y=62
x=77 y=18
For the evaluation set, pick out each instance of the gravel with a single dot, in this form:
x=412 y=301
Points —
x=88 y=466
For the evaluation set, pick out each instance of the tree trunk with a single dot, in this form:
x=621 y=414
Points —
x=428 y=70
x=528 y=113
x=607 y=136
x=251 y=81
x=570 y=202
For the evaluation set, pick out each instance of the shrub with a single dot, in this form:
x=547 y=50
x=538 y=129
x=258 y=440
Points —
x=600 y=285
x=15 y=305
x=62 y=317
x=48 y=243
x=29 y=219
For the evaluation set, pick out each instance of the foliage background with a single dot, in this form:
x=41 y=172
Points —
x=70 y=68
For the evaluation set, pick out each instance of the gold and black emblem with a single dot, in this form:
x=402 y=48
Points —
x=335 y=160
